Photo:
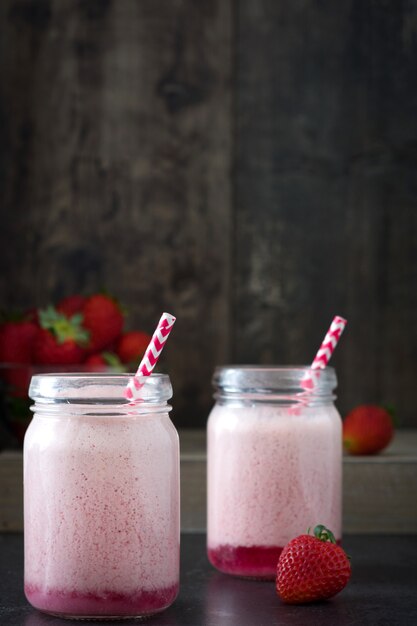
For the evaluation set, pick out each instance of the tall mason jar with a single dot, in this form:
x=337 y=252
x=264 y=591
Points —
x=101 y=497
x=274 y=465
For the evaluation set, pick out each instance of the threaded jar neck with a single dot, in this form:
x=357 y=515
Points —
x=249 y=384
x=98 y=394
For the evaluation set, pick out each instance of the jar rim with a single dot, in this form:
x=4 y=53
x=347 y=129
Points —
x=272 y=368
x=100 y=387
x=278 y=379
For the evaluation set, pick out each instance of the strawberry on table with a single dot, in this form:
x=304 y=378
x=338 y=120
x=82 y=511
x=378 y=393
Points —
x=312 y=568
x=368 y=429
x=132 y=345
x=103 y=318
x=61 y=340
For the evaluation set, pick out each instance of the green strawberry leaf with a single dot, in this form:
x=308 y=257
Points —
x=13 y=316
x=77 y=319
x=324 y=534
x=62 y=327
x=113 y=361
x=392 y=412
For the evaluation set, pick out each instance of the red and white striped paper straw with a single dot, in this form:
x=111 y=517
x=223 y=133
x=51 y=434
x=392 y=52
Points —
x=151 y=356
x=325 y=351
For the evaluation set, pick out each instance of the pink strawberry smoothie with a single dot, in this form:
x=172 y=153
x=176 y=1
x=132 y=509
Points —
x=272 y=474
x=101 y=517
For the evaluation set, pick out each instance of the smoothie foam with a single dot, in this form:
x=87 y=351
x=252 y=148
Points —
x=101 y=523
x=270 y=482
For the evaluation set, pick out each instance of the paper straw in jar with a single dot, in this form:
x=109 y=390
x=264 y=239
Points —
x=325 y=352
x=151 y=356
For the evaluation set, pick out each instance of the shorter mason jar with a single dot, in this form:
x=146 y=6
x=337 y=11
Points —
x=101 y=497
x=274 y=465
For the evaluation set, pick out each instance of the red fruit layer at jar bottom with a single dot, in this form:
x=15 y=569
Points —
x=105 y=604
x=249 y=561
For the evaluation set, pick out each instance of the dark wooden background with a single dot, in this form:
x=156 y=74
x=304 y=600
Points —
x=248 y=165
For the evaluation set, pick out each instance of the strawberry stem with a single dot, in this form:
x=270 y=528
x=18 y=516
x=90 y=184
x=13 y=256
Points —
x=324 y=534
x=390 y=409
x=63 y=327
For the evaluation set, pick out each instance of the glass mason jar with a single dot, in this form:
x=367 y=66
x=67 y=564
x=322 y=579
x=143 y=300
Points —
x=101 y=497
x=274 y=465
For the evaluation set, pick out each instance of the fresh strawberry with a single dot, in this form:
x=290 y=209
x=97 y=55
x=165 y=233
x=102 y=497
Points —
x=132 y=346
x=312 y=568
x=368 y=429
x=101 y=361
x=49 y=350
x=103 y=318
x=32 y=315
x=17 y=341
x=17 y=377
x=71 y=305
x=95 y=362
x=61 y=340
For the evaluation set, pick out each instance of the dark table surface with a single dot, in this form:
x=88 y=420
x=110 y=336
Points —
x=382 y=590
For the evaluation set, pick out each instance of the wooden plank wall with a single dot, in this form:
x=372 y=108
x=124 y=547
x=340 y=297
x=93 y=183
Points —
x=117 y=118
x=326 y=190
x=247 y=164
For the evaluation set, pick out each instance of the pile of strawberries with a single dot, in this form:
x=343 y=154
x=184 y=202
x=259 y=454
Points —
x=79 y=330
